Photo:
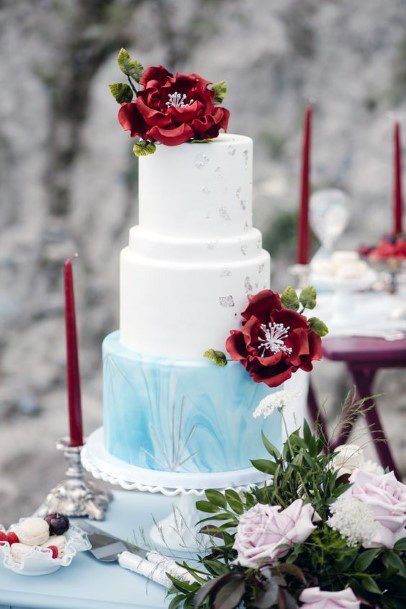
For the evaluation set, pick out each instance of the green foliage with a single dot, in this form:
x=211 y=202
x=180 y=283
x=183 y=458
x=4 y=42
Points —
x=143 y=148
x=121 y=92
x=308 y=297
x=301 y=469
x=290 y=299
x=318 y=326
x=130 y=67
x=217 y=357
x=220 y=90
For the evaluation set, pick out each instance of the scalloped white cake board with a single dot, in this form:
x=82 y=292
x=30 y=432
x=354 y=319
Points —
x=177 y=531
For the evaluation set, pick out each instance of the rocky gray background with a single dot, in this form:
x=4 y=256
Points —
x=68 y=178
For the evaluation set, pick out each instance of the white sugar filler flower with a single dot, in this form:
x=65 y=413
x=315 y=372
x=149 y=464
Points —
x=274 y=401
x=353 y=520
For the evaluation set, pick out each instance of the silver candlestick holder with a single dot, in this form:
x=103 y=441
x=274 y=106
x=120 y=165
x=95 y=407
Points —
x=75 y=496
x=301 y=272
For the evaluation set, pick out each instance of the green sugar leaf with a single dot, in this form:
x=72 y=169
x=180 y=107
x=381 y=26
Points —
x=217 y=357
x=143 y=148
x=220 y=90
x=290 y=299
x=129 y=67
x=121 y=92
x=308 y=297
x=318 y=326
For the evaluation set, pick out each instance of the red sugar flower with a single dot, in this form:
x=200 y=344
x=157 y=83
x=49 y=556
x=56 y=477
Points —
x=274 y=341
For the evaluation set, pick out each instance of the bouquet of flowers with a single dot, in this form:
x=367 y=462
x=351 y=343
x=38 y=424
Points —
x=327 y=531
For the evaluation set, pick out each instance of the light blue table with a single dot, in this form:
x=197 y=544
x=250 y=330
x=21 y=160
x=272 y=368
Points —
x=88 y=584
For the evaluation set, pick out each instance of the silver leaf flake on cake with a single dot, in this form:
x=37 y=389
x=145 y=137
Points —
x=201 y=160
x=244 y=249
x=223 y=213
x=261 y=268
x=231 y=150
x=206 y=190
x=217 y=171
x=243 y=204
x=245 y=153
x=259 y=243
x=246 y=227
x=226 y=301
x=225 y=273
x=238 y=192
x=212 y=244
x=248 y=286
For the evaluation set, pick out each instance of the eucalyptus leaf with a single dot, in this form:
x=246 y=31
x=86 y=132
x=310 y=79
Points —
x=217 y=357
x=366 y=558
x=270 y=448
x=130 y=67
x=292 y=570
x=216 y=498
x=234 y=501
x=392 y=560
x=121 y=92
x=143 y=148
x=290 y=299
x=220 y=90
x=308 y=297
x=176 y=601
x=307 y=433
x=206 y=506
x=200 y=141
x=264 y=465
x=318 y=326
x=230 y=594
x=369 y=584
x=400 y=545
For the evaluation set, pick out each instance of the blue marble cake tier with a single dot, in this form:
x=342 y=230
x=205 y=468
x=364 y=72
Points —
x=182 y=415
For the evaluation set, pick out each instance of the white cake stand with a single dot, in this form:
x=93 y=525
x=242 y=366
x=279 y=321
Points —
x=177 y=531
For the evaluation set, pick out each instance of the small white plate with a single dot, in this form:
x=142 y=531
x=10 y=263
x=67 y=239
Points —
x=39 y=561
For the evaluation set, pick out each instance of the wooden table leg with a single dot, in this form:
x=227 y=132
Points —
x=363 y=382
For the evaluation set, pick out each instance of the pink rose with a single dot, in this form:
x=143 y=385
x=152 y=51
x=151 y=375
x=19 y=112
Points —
x=266 y=533
x=314 y=598
x=385 y=498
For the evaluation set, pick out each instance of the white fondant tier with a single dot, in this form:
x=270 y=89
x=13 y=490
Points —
x=198 y=190
x=194 y=258
x=181 y=249
x=181 y=309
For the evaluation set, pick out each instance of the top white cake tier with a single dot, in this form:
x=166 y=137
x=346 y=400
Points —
x=210 y=198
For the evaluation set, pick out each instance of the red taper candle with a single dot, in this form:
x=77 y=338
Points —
x=72 y=361
x=303 y=234
x=397 y=182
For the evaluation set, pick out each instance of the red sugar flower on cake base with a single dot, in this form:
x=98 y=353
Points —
x=276 y=340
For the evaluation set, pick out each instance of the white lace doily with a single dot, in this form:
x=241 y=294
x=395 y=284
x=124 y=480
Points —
x=104 y=466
